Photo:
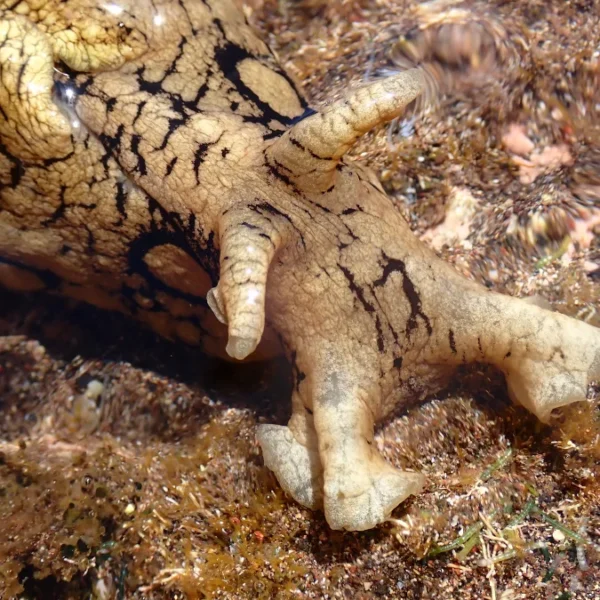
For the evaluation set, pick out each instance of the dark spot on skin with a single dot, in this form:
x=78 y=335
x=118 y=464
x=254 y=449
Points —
x=452 y=341
x=508 y=354
x=60 y=210
x=120 y=199
x=263 y=209
x=249 y=225
x=174 y=125
x=200 y=155
x=296 y=143
x=111 y=144
x=266 y=236
x=135 y=148
x=356 y=289
x=369 y=308
x=398 y=362
x=270 y=135
x=171 y=166
x=20 y=79
x=90 y=247
x=48 y=162
x=151 y=87
x=395 y=265
x=380 y=338
x=276 y=171
x=138 y=113
x=191 y=227
x=17 y=170
x=110 y=104
x=323 y=208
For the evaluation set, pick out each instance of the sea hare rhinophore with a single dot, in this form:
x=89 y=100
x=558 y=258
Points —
x=156 y=160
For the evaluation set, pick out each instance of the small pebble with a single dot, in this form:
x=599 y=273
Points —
x=94 y=389
x=558 y=535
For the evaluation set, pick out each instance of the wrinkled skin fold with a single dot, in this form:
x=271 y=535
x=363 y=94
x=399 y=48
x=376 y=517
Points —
x=156 y=160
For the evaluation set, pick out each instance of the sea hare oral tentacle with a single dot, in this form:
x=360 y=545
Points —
x=312 y=148
x=248 y=243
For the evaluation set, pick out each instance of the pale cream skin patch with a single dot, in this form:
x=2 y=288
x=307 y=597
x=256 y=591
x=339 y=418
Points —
x=155 y=159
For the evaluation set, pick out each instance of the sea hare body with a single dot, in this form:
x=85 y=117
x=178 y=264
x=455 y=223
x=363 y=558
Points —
x=156 y=160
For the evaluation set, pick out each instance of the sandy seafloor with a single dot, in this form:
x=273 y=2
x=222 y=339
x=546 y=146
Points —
x=152 y=485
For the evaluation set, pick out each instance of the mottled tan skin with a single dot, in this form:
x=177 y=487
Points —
x=169 y=169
